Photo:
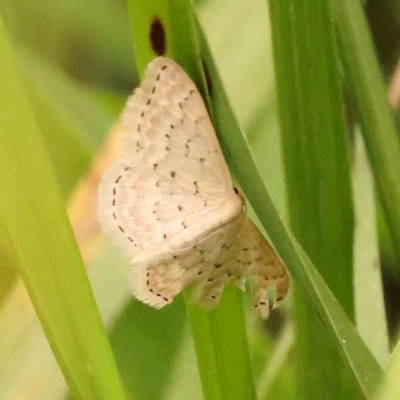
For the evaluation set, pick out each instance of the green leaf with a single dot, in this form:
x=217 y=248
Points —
x=145 y=342
x=275 y=380
x=377 y=121
x=34 y=219
x=317 y=171
x=370 y=307
x=390 y=389
x=363 y=365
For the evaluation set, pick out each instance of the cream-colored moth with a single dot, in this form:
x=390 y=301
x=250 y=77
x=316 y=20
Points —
x=169 y=202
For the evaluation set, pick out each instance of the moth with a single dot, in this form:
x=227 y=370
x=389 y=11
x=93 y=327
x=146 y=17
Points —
x=169 y=203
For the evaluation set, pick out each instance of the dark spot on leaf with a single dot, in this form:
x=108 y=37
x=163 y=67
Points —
x=208 y=79
x=157 y=36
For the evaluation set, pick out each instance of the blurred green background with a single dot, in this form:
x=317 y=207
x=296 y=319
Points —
x=78 y=64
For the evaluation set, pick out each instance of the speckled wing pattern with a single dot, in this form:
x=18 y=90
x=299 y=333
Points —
x=169 y=203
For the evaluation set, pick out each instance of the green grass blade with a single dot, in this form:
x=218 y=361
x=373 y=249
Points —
x=278 y=361
x=34 y=219
x=317 y=171
x=378 y=123
x=219 y=336
x=370 y=307
x=314 y=139
x=363 y=365
x=390 y=389
x=64 y=132
x=145 y=343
